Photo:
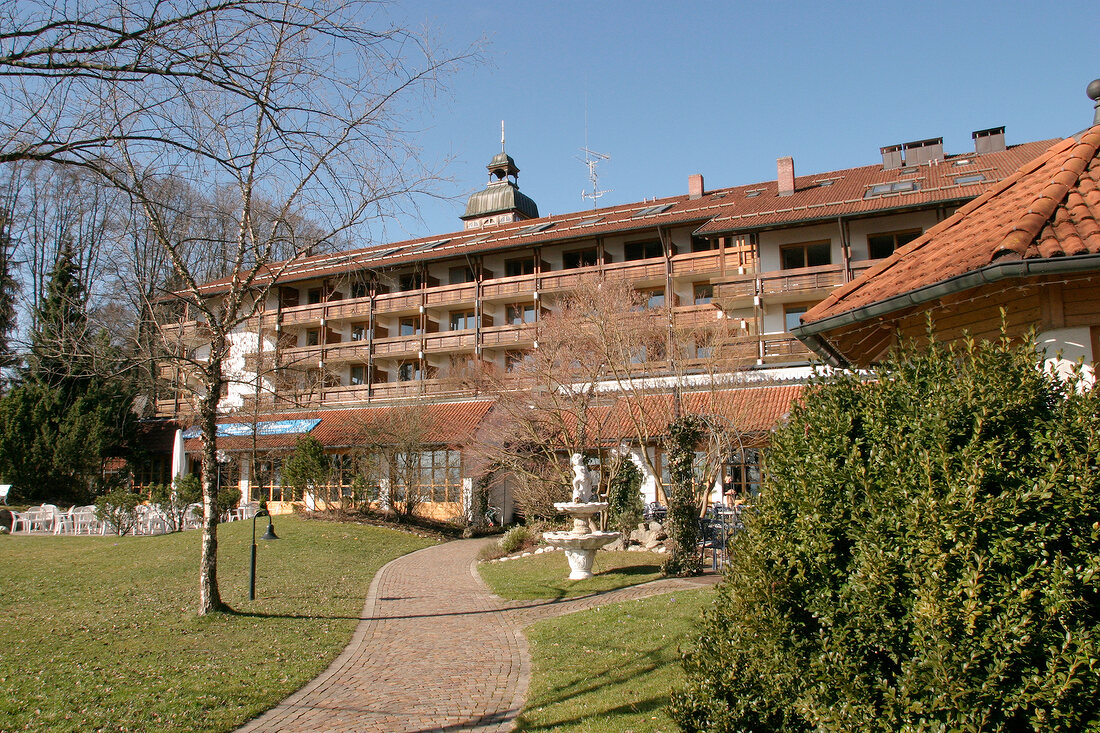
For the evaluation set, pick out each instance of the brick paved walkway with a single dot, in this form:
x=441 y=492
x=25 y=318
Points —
x=436 y=651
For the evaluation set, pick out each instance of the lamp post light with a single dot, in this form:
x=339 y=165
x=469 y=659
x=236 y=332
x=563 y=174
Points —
x=269 y=535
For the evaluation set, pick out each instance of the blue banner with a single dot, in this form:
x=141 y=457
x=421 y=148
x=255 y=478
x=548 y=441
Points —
x=271 y=427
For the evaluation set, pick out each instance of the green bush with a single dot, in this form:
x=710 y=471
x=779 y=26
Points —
x=624 y=496
x=118 y=508
x=925 y=556
x=515 y=539
x=175 y=500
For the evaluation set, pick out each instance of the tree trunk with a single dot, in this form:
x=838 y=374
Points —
x=210 y=600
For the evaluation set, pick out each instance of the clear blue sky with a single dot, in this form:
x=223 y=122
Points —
x=724 y=88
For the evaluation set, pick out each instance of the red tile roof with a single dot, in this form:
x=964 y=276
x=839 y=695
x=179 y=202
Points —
x=444 y=423
x=1050 y=207
x=746 y=410
x=716 y=211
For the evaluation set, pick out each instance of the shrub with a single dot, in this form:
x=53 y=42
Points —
x=925 y=556
x=682 y=523
x=118 y=509
x=516 y=539
x=307 y=468
x=175 y=500
x=624 y=496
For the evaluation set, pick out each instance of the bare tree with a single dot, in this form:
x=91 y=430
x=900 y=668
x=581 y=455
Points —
x=271 y=108
x=611 y=371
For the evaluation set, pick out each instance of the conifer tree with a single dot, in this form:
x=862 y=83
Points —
x=9 y=288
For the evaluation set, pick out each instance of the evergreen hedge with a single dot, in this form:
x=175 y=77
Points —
x=925 y=556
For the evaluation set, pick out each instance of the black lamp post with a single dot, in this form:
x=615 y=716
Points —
x=269 y=535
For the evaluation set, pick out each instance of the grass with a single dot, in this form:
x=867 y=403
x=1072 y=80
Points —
x=610 y=669
x=545 y=576
x=100 y=633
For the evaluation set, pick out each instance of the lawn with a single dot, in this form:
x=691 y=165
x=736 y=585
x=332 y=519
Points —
x=546 y=575
x=100 y=633
x=610 y=669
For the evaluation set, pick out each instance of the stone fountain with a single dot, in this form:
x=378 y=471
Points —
x=580 y=543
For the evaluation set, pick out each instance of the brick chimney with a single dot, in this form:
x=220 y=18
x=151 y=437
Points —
x=785 y=168
x=695 y=186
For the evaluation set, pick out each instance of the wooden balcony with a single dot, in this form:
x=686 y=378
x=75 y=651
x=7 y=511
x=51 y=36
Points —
x=303 y=315
x=696 y=316
x=518 y=287
x=192 y=333
x=449 y=295
x=302 y=356
x=637 y=271
x=802 y=280
x=409 y=301
x=708 y=263
x=170 y=407
x=736 y=288
x=551 y=282
x=508 y=336
x=398 y=346
x=780 y=349
x=348 y=351
x=450 y=341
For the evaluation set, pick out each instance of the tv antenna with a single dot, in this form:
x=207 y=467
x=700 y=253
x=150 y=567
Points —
x=591 y=158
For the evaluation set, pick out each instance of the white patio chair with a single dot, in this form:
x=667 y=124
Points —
x=43 y=518
x=84 y=521
x=150 y=520
x=193 y=518
x=5 y=489
x=19 y=520
x=63 y=521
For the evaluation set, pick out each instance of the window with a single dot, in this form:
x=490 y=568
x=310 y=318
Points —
x=314 y=296
x=973 y=178
x=520 y=266
x=269 y=480
x=792 y=315
x=520 y=313
x=313 y=337
x=430 y=475
x=703 y=293
x=359 y=289
x=807 y=254
x=883 y=189
x=462 y=320
x=702 y=244
x=653 y=298
x=884 y=244
x=408 y=371
x=358 y=332
x=358 y=374
x=409 y=281
x=514 y=361
x=741 y=476
x=580 y=258
x=409 y=326
x=642 y=250
x=459 y=275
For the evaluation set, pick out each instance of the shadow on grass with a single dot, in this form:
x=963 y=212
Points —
x=641 y=707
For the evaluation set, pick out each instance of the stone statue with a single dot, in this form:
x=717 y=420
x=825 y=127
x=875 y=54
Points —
x=582 y=490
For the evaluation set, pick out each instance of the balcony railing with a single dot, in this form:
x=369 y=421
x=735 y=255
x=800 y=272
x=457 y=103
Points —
x=803 y=279
x=639 y=270
x=394 y=302
x=518 y=286
x=785 y=348
x=508 y=335
x=395 y=346
x=450 y=294
x=450 y=341
x=709 y=262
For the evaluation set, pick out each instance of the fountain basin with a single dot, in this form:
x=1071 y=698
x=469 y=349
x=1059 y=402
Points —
x=580 y=549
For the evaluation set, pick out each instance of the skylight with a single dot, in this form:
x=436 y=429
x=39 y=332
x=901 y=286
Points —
x=963 y=161
x=754 y=193
x=540 y=227
x=973 y=178
x=590 y=222
x=651 y=210
x=882 y=189
x=429 y=246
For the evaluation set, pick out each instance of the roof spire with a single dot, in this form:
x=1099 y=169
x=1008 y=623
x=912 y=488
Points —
x=1093 y=90
x=502 y=136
